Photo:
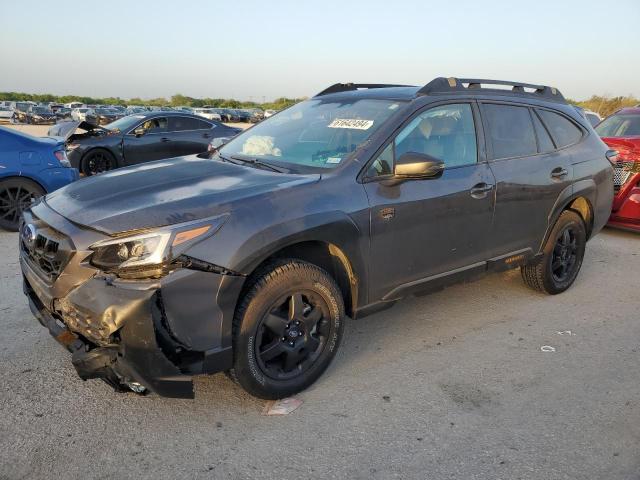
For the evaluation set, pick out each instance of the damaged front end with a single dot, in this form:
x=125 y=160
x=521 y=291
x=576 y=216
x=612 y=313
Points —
x=137 y=325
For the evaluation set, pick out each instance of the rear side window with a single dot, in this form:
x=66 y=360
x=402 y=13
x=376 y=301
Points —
x=177 y=124
x=545 y=144
x=563 y=131
x=510 y=131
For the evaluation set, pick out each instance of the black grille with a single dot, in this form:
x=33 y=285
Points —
x=49 y=253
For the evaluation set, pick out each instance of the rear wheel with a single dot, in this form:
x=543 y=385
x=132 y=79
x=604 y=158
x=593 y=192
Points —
x=97 y=161
x=563 y=253
x=287 y=329
x=16 y=195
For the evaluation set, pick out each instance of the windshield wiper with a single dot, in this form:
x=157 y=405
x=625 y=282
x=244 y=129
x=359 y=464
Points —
x=260 y=163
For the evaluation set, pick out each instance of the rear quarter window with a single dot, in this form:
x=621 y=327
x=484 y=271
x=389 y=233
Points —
x=563 y=131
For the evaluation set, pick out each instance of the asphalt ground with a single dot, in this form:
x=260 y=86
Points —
x=453 y=385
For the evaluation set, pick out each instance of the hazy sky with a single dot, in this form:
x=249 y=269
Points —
x=253 y=49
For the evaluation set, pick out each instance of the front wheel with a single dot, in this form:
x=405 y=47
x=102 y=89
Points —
x=16 y=195
x=562 y=256
x=287 y=329
x=96 y=162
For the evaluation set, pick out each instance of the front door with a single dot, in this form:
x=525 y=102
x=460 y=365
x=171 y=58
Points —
x=148 y=141
x=430 y=228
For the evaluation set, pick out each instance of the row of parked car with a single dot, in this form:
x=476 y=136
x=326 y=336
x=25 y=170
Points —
x=34 y=113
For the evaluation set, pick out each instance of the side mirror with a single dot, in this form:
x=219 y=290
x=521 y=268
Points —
x=140 y=131
x=417 y=165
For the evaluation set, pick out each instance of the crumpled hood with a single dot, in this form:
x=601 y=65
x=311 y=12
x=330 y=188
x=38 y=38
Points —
x=165 y=192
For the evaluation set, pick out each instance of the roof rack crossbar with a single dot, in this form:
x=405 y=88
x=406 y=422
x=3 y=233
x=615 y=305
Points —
x=346 y=87
x=452 y=84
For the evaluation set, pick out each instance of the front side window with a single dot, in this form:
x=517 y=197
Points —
x=315 y=133
x=155 y=125
x=510 y=131
x=446 y=133
x=619 y=125
x=563 y=131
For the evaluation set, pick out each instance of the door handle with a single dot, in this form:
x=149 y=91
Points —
x=481 y=190
x=165 y=139
x=206 y=135
x=559 y=172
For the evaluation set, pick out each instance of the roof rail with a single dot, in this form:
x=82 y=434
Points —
x=452 y=84
x=346 y=87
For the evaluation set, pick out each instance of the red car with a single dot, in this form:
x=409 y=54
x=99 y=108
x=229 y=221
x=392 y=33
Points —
x=621 y=131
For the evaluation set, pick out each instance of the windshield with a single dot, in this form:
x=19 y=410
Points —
x=314 y=133
x=40 y=110
x=619 y=126
x=125 y=123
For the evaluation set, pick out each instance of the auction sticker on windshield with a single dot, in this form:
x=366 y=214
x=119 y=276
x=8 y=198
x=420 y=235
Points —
x=354 y=123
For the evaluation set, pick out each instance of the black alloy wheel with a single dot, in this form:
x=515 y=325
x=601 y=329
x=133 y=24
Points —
x=565 y=254
x=292 y=335
x=557 y=267
x=97 y=161
x=287 y=328
x=16 y=195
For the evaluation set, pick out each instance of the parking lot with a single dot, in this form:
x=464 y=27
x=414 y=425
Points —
x=451 y=385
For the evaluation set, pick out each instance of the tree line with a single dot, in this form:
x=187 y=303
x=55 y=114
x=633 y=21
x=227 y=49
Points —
x=175 y=101
x=604 y=105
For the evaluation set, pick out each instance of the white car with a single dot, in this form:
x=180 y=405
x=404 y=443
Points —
x=80 y=114
x=208 y=113
x=6 y=114
x=593 y=117
x=268 y=113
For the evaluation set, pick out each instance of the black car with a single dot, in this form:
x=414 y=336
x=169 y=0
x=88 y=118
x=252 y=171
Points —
x=63 y=113
x=137 y=139
x=101 y=116
x=40 y=116
x=250 y=261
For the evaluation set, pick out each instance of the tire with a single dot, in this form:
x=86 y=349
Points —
x=97 y=161
x=562 y=256
x=287 y=329
x=16 y=194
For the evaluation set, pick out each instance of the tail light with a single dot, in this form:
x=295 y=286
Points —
x=61 y=155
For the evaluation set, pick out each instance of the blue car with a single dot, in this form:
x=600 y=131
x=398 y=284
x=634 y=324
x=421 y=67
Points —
x=29 y=168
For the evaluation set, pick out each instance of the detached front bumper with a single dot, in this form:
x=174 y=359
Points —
x=155 y=333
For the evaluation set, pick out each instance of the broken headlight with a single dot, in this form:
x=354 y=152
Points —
x=147 y=254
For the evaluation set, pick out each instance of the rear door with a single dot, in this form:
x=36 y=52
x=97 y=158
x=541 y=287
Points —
x=427 y=229
x=152 y=143
x=189 y=135
x=532 y=169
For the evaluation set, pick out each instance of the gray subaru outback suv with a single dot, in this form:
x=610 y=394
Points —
x=248 y=261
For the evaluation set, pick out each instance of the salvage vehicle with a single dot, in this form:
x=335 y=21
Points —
x=137 y=139
x=40 y=116
x=621 y=131
x=29 y=168
x=250 y=261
